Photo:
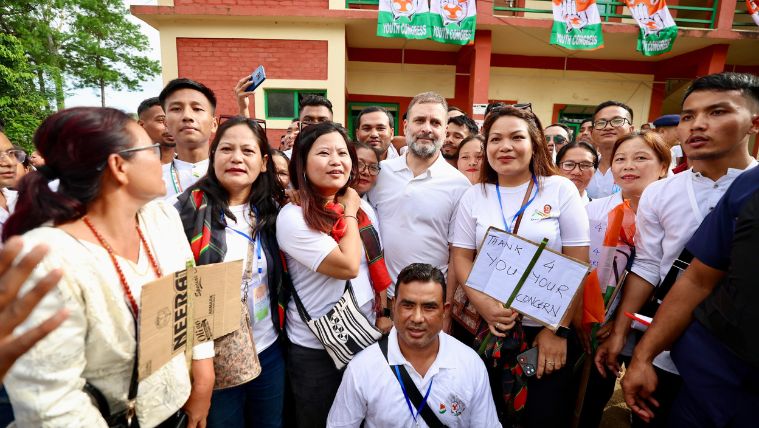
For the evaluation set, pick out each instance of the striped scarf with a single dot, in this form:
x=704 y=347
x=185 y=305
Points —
x=208 y=244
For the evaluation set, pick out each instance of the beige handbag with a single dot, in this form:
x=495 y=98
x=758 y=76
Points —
x=236 y=361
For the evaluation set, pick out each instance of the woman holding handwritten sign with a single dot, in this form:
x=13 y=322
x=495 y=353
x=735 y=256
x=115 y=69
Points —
x=521 y=193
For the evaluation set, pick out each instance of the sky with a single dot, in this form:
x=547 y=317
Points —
x=124 y=100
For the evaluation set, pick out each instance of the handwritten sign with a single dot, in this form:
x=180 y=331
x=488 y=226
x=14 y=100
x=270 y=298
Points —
x=541 y=287
x=188 y=307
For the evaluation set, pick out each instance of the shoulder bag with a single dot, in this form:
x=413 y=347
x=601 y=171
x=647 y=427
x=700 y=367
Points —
x=344 y=330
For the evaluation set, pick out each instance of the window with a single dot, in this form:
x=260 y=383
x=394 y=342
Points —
x=283 y=103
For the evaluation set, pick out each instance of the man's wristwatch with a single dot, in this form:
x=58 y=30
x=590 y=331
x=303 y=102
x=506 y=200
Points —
x=562 y=332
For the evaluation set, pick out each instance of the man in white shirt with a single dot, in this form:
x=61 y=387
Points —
x=417 y=193
x=611 y=120
x=715 y=125
x=448 y=374
x=8 y=165
x=375 y=127
x=190 y=107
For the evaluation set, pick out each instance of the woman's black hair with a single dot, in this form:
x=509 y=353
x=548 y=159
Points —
x=266 y=193
x=577 y=145
x=76 y=144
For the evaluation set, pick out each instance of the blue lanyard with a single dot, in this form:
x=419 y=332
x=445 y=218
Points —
x=256 y=242
x=408 y=401
x=521 y=209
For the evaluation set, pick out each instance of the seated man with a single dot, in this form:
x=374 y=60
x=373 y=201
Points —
x=448 y=374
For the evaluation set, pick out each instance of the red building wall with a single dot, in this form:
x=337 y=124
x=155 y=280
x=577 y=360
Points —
x=220 y=63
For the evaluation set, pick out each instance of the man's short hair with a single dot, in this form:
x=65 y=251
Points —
x=312 y=100
x=747 y=84
x=587 y=120
x=428 y=98
x=610 y=103
x=374 y=109
x=421 y=272
x=491 y=106
x=147 y=104
x=454 y=108
x=184 y=83
x=562 y=126
x=467 y=122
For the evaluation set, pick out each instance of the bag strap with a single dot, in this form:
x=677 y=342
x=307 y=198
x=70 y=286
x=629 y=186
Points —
x=524 y=201
x=413 y=393
x=678 y=266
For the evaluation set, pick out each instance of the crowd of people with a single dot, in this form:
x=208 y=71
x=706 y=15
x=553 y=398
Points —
x=356 y=256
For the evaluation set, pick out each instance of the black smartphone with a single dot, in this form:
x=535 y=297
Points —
x=256 y=79
x=528 y=360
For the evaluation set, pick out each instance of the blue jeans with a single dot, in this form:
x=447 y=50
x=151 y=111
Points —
x=257 y=403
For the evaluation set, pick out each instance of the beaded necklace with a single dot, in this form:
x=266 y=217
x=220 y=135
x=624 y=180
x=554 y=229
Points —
x=122 y=278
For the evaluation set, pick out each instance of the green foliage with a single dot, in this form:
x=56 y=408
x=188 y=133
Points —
x=22 y=108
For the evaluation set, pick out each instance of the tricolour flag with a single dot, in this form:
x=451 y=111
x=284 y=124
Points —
x=657 y=28
x=408 y=19
x=453 y=21
x=576 y=25
x=752 y=7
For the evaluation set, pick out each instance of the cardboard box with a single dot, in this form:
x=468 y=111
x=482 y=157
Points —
x=191 y=306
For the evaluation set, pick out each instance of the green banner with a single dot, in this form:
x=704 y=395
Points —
x=408 y=19
x=453 y=21
x=657 y=28
x=576 y=25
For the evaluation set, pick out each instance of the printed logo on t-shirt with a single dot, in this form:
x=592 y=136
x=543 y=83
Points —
x=457 y=405
x=442 y=408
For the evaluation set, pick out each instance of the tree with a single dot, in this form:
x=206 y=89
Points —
x=101 y=52
x=22 y=108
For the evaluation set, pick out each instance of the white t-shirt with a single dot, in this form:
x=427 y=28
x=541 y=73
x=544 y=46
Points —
x=305 y=249
x=601 y=185
x=392 y=153
x=178 y=175
x=556 y=213
x=416 y=213
x=459 y=396
x=675 y=152
x=10 y=200
x=264 y=333
x=666 y=219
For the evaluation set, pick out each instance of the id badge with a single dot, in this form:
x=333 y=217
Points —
x=260 y=302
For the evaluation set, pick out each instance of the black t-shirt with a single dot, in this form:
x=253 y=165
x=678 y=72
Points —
x=728 y=240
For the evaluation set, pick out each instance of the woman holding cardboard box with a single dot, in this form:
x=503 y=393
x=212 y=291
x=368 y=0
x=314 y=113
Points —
x=230 y=214
x=522 y=194
x=108 y=239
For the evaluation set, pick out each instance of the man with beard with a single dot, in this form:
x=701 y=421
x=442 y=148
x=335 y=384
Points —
x=459 y=127
x=152 y=118
x=374 y=126
x=417 y=193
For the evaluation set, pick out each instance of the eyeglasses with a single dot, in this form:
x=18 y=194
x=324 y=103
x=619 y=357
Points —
x=260 y=122
x=557 y=139
x=156 y=149
x=616 y=123
x=14 y=155
x=569 y=166
x=373 y=169
x=518 y=106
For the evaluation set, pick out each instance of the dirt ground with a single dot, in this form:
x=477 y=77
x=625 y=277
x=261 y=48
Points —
x=616 y=414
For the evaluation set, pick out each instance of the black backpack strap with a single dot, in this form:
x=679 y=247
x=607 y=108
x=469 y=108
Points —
x=414 y=395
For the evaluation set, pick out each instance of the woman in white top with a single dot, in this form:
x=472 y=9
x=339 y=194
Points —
x=638 y=159
x=108 y=240
x=578 y=162
x=230 y=214
x=518 y=165
x=323 y=249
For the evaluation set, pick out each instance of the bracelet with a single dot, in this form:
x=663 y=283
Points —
x=351 y=216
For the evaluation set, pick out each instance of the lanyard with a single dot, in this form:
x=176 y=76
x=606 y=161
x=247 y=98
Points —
x=521 y=209
x=253 y=241
x=175 y=178
x=408 y=401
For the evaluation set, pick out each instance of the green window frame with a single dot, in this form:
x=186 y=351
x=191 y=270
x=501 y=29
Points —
x=296 y=95
x=355 y=107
